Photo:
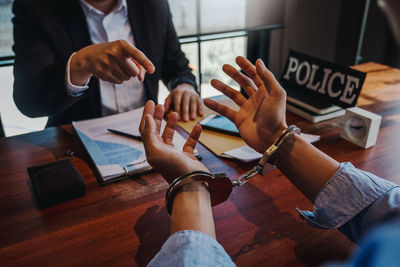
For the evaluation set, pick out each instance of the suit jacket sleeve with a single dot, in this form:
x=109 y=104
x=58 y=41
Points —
x=39 y=69
x=175 y=65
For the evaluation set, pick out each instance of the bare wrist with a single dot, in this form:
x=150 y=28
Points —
x=285 y=149
x=192 y=209
x=194 y=186
x=185 y=86
x=79 y=74
x=192 y=194
x=188 y=189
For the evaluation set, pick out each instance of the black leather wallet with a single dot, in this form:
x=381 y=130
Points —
x=56 y=182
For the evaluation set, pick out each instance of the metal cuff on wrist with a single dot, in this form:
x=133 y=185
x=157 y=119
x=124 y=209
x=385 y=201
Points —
x=268 y=154
x=217 y=182
x=268 y=157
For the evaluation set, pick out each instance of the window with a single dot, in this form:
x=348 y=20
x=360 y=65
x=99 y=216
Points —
x=5 y=29
x=212 y=33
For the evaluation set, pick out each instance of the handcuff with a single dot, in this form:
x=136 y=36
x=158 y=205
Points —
x=219 y=184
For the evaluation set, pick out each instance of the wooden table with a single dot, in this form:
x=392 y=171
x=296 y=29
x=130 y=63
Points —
x=126 y=223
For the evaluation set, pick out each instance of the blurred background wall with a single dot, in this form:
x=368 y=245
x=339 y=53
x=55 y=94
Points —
x=214 y=32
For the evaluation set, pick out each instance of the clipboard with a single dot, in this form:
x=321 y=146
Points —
x=116 y=157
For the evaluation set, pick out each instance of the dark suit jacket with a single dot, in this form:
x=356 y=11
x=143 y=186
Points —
x=2 y=134
x=47 y=32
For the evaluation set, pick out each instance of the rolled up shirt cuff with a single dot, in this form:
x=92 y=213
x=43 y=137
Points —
x=191 y=248
x=74 y=90
x=345 y=195
x=174 y=83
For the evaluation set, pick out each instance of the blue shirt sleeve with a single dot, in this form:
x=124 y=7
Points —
x=379 y=249
x=354 y=201
x=191 y=248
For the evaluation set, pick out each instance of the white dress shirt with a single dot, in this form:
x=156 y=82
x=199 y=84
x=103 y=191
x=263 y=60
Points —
x=115 y=98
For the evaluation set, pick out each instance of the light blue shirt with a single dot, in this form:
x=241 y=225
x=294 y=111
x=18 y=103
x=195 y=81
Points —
x=353 y=200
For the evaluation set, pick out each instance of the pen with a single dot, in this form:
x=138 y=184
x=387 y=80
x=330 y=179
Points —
x=136 y=137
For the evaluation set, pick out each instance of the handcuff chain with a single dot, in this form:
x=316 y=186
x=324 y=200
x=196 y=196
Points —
x=245 y=177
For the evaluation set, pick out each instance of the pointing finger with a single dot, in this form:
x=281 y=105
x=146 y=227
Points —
x=138 y=55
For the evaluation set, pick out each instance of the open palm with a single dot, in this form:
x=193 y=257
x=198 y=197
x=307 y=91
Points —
x=160 y=151
x=261 y=118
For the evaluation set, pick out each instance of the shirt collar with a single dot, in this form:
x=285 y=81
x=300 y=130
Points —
x=88 y=9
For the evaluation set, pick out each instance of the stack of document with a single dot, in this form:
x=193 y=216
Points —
x=116 y=156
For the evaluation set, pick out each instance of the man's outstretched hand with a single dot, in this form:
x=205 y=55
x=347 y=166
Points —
x=113 y=62
x=160 y=151
x=261 y=118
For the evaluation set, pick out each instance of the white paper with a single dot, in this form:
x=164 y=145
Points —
x=311 y=138
x=247 y=154
x=243 y=153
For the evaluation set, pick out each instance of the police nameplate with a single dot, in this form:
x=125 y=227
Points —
x=322 y=81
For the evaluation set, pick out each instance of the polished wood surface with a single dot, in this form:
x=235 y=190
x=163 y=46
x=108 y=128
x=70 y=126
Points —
x=126 y=223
